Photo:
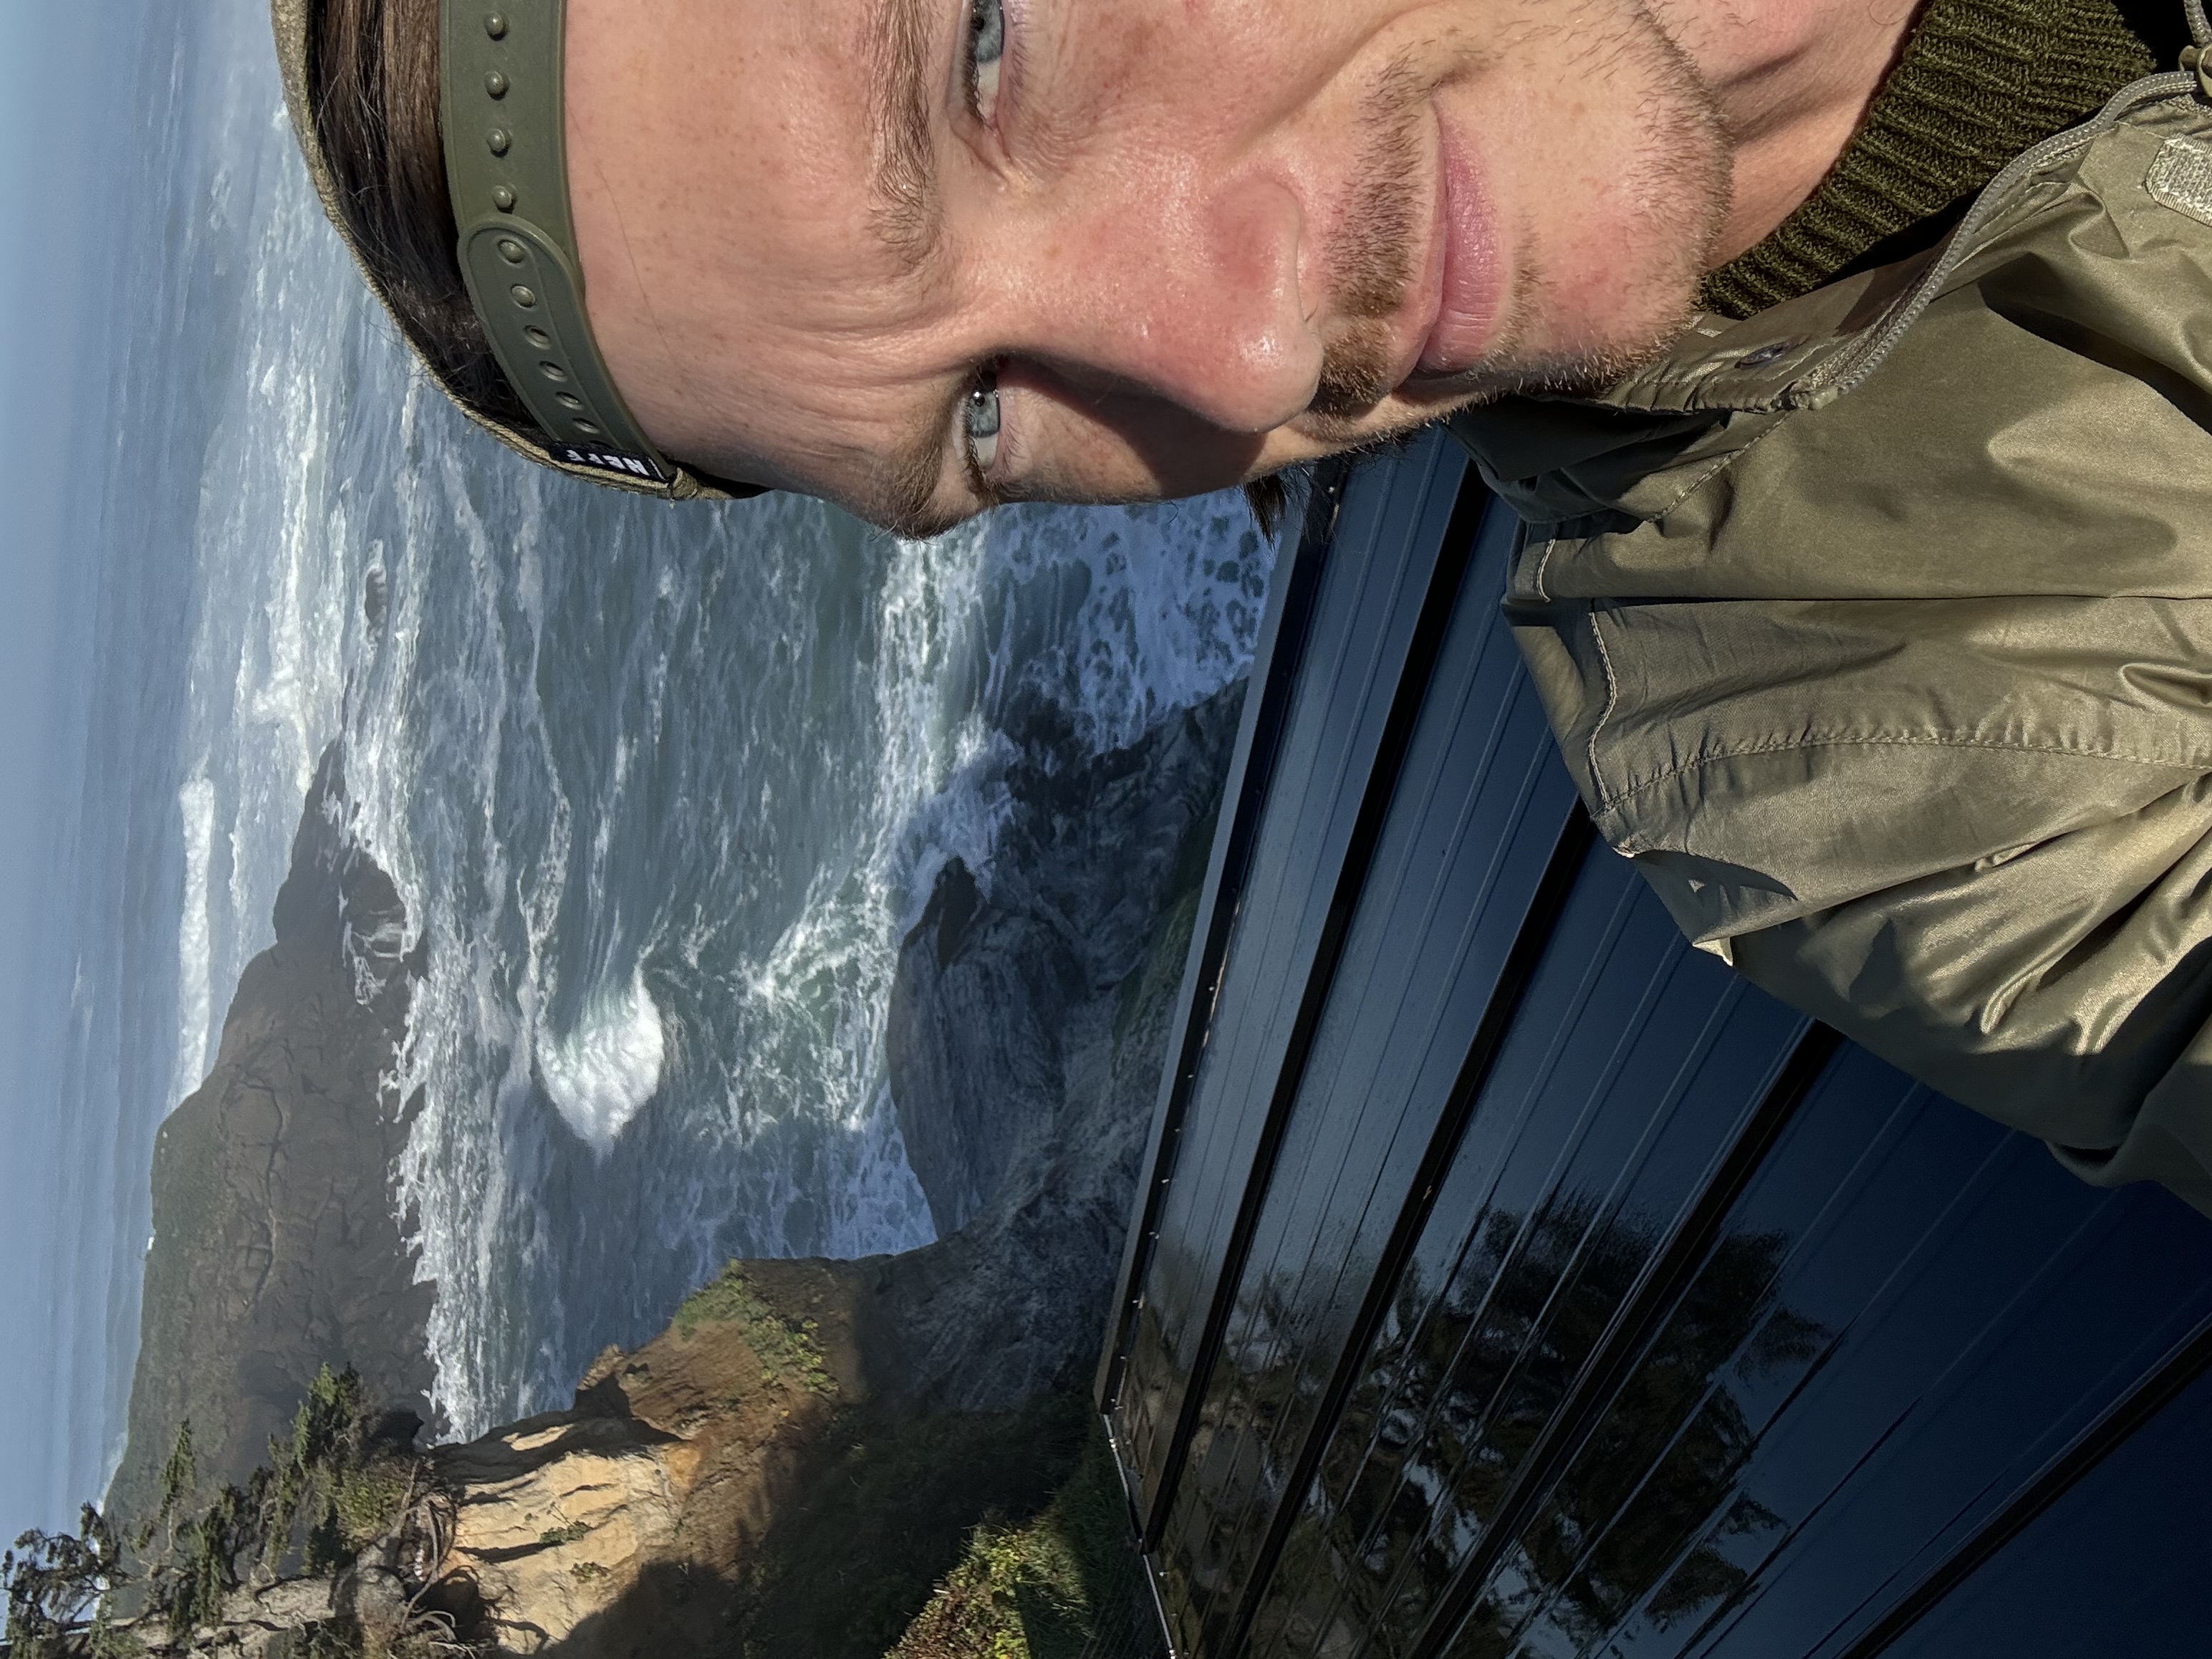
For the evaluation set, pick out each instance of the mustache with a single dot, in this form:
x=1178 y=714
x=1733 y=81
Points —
x=1371 y=255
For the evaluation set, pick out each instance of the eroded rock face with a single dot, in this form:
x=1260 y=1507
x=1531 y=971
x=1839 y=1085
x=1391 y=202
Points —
x=276 y=1248
x=627 y=1523
x=557 y=1534
x=987 y=1010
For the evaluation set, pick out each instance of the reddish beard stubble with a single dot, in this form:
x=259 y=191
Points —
x=1679 y=184
x=1372 y=254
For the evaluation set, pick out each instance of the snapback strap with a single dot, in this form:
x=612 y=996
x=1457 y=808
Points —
x=506 y=171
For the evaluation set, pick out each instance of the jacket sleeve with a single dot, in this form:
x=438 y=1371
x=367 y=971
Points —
x=1975 y=834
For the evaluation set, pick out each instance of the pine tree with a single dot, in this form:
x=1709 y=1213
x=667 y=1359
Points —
x=56 y=1583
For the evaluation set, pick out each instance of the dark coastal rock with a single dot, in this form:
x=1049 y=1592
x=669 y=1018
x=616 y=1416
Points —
x=1026 y=1034
x=277 y=1250
x=974 y=1037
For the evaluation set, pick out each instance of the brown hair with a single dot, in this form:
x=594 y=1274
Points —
x=372 y=94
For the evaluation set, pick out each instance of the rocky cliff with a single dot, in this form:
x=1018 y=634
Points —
x=276 y=1248
x=801 y=1455
x=1026 y=1035
x=744 y=1484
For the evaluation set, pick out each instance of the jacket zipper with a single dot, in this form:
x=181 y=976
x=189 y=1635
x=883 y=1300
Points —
x=2151 y=89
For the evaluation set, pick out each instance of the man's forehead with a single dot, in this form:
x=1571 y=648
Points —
x=733 y=184
x=849 y=389
x=751 y=155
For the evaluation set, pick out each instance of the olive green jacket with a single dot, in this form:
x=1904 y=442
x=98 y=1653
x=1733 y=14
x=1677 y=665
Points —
x=1877 y=630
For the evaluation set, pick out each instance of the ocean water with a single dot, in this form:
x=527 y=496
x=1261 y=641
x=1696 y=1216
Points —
x=662 y=787
x=665 y=789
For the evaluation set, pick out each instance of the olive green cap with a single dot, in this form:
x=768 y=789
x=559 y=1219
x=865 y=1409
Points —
x=517 y=250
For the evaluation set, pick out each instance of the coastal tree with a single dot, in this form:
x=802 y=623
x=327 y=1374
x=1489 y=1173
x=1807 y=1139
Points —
x=328 y=1487
x=317 y=1475
x=57 y=1585
x=179 y=1473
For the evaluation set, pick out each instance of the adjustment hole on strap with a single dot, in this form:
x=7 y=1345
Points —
x=587 y=428
x=538 y=337
x=525 y=297
x=554 y=373
x=567 y=400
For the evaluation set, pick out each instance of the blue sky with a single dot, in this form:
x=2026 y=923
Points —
x=51 y=210
x=58 y=148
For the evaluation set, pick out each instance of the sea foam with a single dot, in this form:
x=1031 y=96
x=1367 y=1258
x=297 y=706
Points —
x=195 y=994
x=600 y=1074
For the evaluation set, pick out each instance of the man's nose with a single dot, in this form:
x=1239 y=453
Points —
x=1193 y=298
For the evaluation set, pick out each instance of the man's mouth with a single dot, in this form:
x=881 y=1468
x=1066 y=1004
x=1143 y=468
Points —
x=1419 y=286
x=1467 y=282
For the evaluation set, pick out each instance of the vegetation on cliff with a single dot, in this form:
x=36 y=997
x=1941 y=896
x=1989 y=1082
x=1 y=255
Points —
x=786 y=1345
x=1066 y=1584
x=340 y=1481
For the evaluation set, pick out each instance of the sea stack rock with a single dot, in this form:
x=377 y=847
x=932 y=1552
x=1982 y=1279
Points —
x=1026 y=1034
x=277 y=1247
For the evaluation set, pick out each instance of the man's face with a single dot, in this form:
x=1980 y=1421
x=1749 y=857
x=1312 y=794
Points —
x=919 y=256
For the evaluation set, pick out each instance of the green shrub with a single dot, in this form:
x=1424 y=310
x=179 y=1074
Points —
x=1064 y=1584
x=368 y=1501
x=55 y=1582
x=786 y=1347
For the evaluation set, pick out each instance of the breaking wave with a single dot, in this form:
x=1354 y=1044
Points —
x=600 y=1074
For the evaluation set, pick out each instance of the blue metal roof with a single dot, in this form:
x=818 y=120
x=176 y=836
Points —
x=1511 y=1279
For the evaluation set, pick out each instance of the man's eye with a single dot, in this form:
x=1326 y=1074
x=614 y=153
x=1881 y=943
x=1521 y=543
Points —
x=979 y=423
x=986 y=44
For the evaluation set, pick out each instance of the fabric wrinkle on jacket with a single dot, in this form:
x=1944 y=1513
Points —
x=1877 y=630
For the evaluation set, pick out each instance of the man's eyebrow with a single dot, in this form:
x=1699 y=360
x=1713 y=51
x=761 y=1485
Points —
x=910 y=473
x=901 y=142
